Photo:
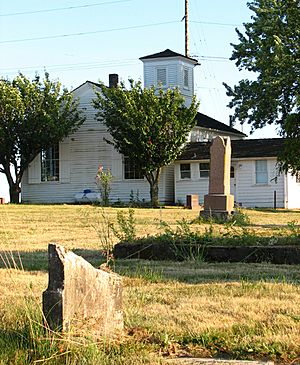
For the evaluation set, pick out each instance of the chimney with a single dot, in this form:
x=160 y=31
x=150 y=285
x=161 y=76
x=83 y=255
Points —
x=113 y=80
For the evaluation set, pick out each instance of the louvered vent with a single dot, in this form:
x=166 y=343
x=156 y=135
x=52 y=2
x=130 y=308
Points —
x=186 y=78
x=162 y=76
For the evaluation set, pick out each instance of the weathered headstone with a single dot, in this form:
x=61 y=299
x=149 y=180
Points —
x=219 y=202
x=79 y=298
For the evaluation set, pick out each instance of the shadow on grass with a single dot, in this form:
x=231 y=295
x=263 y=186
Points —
x=38 y=260
x=272 y=210
x=165 y=271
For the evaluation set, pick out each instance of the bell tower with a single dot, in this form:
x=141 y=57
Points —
x=170 y=69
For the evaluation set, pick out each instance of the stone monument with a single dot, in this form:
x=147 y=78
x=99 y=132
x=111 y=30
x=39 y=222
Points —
x=219 y=202
x=81 y=299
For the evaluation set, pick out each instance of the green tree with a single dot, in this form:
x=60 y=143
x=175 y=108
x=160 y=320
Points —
x=270 y=49
x=34 y=115
x=149 y=126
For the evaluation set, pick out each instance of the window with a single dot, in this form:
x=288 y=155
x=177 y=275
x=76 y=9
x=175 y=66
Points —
x=186 y=78
x=261 y=172
x=50 y=164
x=130 y=170
x=204 y=169
x=231 y=172
x=185 y=171
x=161 y=76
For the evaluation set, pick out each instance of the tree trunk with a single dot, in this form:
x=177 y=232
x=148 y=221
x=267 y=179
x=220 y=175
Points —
x=14 y=193
x=154 y=194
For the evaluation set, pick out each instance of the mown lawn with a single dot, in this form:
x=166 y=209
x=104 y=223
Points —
x=190 y=308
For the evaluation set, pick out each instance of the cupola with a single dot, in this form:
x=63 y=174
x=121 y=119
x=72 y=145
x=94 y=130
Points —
x=170 y=69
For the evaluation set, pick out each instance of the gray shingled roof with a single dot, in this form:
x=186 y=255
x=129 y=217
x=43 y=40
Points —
x=241 y=148
x=205 y=121
x=166 y=54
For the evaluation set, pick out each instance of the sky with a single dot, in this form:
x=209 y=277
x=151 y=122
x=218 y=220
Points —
x=79 y=40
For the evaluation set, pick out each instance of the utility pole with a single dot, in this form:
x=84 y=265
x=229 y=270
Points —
x=186 y=17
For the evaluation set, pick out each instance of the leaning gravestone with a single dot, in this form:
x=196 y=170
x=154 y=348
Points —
x=81 y=299
x=219 y=202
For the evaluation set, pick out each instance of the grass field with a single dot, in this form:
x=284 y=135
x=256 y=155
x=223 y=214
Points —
x=190 y=308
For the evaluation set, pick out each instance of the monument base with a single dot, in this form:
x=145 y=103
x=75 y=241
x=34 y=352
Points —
x=219 y=206
x=218 y=215
x=219 y=202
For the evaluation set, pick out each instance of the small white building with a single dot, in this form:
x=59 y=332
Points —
x=68 y=170
x=254 y=178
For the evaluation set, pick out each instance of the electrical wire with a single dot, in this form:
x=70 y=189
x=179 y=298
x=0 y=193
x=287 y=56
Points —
x=71 y=67
x=216 y=23
x=86 y=33
x=65 y=8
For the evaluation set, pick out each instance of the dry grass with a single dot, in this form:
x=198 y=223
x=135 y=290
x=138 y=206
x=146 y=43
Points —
x=32 y=227
x=199 y=309
x=187 y=308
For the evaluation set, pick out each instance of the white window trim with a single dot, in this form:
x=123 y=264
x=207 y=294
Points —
x=190 y=170
x=186 y=87
x=123 y=174
x=204 y=177
x=156 y=76
x=255 y=179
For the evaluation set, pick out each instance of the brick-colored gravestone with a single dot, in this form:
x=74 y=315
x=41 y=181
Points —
x=79 y=298
x=219 y=202
x=192 y=201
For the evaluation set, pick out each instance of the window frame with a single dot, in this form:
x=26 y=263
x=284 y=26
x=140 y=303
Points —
x=158 y=80
x=183 y=172
x=186 y=81
x=131 y=173
x=204 y=172
x=232 y=172
x=50 y=165
x=261 y=173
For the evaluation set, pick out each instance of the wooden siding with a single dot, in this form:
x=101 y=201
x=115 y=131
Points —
x=174 y=69
x=292 y=192
x=247 y=193
x=250 y=194
x=80 y=155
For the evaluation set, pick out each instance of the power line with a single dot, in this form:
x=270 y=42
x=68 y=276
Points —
x=217 y=23
x=213 y=58
x=66 y=8
x=92 y=65
x=86 y=33
x=71 y=66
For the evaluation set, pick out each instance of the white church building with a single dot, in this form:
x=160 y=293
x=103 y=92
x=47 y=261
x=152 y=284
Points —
x=67 y=171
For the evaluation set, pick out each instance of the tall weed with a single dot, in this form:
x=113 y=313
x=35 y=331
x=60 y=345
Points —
x=125 y=229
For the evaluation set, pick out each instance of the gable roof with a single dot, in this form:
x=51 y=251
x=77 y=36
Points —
x=204 y=121
x=241 y=148
x=84 y=83
x=167 y=53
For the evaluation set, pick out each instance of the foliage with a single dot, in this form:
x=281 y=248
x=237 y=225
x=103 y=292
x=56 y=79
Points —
x=239 y=218
x=270 y=49
x=294 y=228
x=147 y=125
x=103 y=180
x=101 y=223
x=34 y=115
x=125 y=229
x=188 y=244
x=184 y=242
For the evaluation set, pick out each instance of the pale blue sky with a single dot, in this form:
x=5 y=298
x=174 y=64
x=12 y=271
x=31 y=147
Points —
x=79 y=40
